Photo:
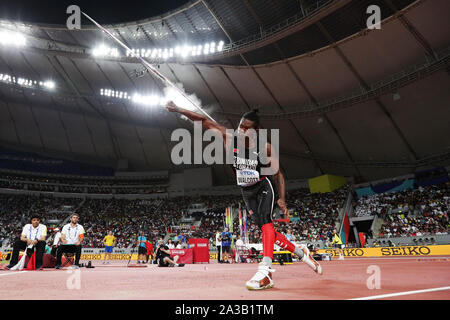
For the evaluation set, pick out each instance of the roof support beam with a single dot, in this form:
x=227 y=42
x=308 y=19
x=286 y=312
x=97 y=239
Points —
x=69 y=145
x=11 y=117
x=366 y=86
x=112 y=137
x=410 y=27
x=128 y=114
x=29 y=105
x=308 y=148
x=314 y=100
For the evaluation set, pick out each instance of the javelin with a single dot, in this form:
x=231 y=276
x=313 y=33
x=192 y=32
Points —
x=149 y=67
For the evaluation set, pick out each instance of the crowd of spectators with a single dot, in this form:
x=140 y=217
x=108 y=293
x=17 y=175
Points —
x=415 y=212
x=161 y=216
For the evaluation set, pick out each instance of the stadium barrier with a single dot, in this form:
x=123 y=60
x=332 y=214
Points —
x=438 y=250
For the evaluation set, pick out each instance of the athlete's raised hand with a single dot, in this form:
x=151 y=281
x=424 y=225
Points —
x=171 y=106
x=282 y=204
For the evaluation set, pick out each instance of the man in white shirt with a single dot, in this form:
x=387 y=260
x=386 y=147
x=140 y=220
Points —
x=239 y=246
x=72 y=236
x=56 y=241
x=219 y=246
x=33 y=238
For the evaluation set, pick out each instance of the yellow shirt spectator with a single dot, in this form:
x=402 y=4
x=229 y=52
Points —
x=109 y=240
x=336 y=239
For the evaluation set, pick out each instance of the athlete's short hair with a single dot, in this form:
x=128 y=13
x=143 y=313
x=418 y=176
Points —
x=35 y=216
x=252 y=116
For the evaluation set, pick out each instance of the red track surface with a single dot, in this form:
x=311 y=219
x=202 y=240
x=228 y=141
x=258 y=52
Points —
x=341 y=280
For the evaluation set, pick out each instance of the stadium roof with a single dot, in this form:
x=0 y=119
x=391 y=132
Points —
x=348 y=100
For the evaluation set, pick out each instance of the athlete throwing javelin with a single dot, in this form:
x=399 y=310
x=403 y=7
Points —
x=257 y=189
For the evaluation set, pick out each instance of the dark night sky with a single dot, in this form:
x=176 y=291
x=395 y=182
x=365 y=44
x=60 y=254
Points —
x=104 y=11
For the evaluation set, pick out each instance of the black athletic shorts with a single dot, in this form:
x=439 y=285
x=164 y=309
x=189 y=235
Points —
x=260 y=200
x=226 y=249
x=142 y=250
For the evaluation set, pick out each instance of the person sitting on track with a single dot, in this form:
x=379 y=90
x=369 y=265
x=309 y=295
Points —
x=109 y=242
x=162 y=255
x=33 y=237
x=72 y=236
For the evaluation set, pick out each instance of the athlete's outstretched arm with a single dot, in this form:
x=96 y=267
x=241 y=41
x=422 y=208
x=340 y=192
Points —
x=206 y=122
x=279 y=179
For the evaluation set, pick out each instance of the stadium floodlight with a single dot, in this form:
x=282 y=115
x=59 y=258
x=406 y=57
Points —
x=206 y=48
x=212 y=47
x=9 y=38
x=49 y=85
x=114 y=94
x=220 y=46
x=165 y=54
x=103 y=51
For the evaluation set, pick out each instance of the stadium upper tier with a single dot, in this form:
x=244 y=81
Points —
x=264 y=29
x=348 y=100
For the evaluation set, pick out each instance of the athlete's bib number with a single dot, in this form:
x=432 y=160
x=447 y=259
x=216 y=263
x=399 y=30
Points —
x=247 y=178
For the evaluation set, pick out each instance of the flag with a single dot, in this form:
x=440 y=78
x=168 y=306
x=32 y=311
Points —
x=149 y=248
x=345 y=230
x=32 y=262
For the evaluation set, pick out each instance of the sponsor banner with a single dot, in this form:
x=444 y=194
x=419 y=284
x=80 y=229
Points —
x=406 y=251
x=117 y=256
x=213 y=256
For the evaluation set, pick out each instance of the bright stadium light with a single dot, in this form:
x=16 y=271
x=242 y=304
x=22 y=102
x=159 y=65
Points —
x=220 y=46
x=212 y=47
x=114 y=94
x=165 y=54
x=49 y=85
x=104 y=51
x=9 y=38
x=206 y=48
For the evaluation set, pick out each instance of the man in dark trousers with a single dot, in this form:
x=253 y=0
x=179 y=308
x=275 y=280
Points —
x=72 y=237
x=32 y=238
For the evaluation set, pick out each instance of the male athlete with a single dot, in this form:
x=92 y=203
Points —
x=258 y=192
x=109 y=242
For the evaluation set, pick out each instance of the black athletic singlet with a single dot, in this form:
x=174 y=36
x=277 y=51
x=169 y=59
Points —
x=257 y=190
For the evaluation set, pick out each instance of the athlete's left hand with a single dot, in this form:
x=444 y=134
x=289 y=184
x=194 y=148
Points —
x=282 y=204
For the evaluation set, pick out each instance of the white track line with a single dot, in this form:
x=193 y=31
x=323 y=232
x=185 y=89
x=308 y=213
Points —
x=401 y=293
x=8 y=274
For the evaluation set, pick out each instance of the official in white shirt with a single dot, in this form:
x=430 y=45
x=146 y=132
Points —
x=33 y=237
x=72 y=236
x=56 y=241
x=219 y=246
